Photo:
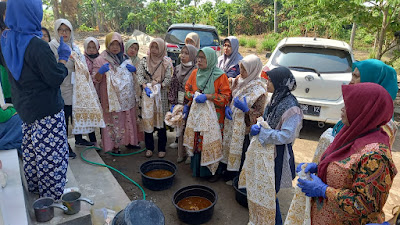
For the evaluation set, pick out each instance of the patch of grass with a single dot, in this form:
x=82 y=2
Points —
x=251 y=43
x=242 y=42
x=269 y=44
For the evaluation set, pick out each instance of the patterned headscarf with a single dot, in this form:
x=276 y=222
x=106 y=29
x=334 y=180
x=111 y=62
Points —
x=226 y=62
x=282 y=98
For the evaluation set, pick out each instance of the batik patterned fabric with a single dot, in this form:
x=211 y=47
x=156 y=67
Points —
x=391 y=129
x=175 y=119
x=152 y=109
x=86 y=110
x=300 y=208
x=45 y=155
x=258 y=177
x=235 y=129
x=203 y=118
x=120 y=88
x=358 y=188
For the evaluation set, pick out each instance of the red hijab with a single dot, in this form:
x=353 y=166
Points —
x=368 y=107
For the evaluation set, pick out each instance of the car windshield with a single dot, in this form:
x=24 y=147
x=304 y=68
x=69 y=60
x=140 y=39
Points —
x=207 y=38
x=320 y=59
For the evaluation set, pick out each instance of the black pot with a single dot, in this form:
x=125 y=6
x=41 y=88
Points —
x=190 y=216
x=157 y=184
x=240 y=194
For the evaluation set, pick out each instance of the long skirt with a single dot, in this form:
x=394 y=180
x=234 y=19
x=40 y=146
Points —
x=45 y=155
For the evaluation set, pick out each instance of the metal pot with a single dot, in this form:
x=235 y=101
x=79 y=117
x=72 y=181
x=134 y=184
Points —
x=44 y=209
x=72 y=200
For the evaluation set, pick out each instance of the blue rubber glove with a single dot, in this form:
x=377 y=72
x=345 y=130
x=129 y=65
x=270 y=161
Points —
x=148 y=91
x=384 y=223
x=228 y=112
x=64 y=51
x=313 y=188
x=255 y=129
x=201 y=98
x=185 y=111
x=131 y=68
x=172 y=108
x=311 y=167
x=104 y=68
x=241 y=105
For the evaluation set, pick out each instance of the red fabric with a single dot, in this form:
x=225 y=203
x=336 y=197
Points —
x=368 y=106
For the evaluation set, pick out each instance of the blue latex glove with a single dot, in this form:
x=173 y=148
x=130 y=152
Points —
x=172 y=108
x=241 y=105
x=185 y=111
x=201 y=98
x=64 y=51
x=131 y=68
x=313 y=188
x=255 y=129
x=228 y=112
x=311 y=167
x=104 y=68
x=384 y=223
x=148 y=91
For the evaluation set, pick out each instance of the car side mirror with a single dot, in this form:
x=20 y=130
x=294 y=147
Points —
x=268 y=55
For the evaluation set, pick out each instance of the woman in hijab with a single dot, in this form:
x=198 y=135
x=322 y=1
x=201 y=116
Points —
x=46 y=35
x=247 y=104
x=285 y=119
x=229 y=61
x=121 y=126
x=375 y=71
x=193 y=38
x=176 y=94
x=63 y=28
x=355 y=173
x=210 y=81
x=156 y=70
x=33 y=67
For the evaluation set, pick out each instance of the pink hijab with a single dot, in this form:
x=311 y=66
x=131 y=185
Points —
x=368 y=107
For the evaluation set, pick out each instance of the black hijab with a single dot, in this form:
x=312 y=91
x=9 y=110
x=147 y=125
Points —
x=282 y=98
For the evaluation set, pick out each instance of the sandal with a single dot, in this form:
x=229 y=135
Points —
x=161 y=154
x=149 y=153
x=396 y=215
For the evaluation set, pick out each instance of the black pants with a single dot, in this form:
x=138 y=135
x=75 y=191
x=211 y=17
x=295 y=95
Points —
x=78 y=137
x=162 y=139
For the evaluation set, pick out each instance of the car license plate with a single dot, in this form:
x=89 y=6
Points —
x=311 y=110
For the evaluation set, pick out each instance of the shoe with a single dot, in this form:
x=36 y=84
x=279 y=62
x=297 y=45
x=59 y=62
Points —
x=213 y=178
x=173 y=145
x=71 y=153
x=149 y=153
x=229 y=182
x=396 y=216
x=161 y=154
x=188 y=160
x=133 y=146
x=83 y=143
x=180 y=159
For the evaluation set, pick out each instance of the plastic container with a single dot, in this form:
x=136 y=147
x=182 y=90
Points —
x=141 y=212
x=199 y=216
x=240 y=194
x=157 y=184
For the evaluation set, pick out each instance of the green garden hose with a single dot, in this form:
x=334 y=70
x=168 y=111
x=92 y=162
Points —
x=99 y=164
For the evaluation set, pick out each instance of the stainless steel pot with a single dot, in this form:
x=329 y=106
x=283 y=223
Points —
x=44 y=208
x=72 y=201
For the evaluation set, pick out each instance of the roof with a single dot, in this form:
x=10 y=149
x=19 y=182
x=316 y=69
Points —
x=191 y=26
x=315 y=42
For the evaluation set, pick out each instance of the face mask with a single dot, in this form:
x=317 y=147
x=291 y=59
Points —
x=93 y=56
x=188 y=63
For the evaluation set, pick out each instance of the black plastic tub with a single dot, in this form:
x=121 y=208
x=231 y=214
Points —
x=157 y=184
x=190 y=216
x=240 y=194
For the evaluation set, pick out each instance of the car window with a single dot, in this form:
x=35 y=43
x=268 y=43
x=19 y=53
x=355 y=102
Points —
x=321 y=59
x=177 y=36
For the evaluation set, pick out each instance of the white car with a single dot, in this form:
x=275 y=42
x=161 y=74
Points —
x=320 y=67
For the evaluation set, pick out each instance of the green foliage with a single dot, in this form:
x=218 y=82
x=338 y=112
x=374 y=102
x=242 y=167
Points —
x=269 y=44
x=251 y=43
x=242 y=41
x=85 y=28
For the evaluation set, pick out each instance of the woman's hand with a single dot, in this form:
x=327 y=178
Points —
x=201 y=98
x=311 y=167
x=313 y=188
x=255 y=129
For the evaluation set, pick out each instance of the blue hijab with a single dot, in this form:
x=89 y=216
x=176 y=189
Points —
x=23 y=19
